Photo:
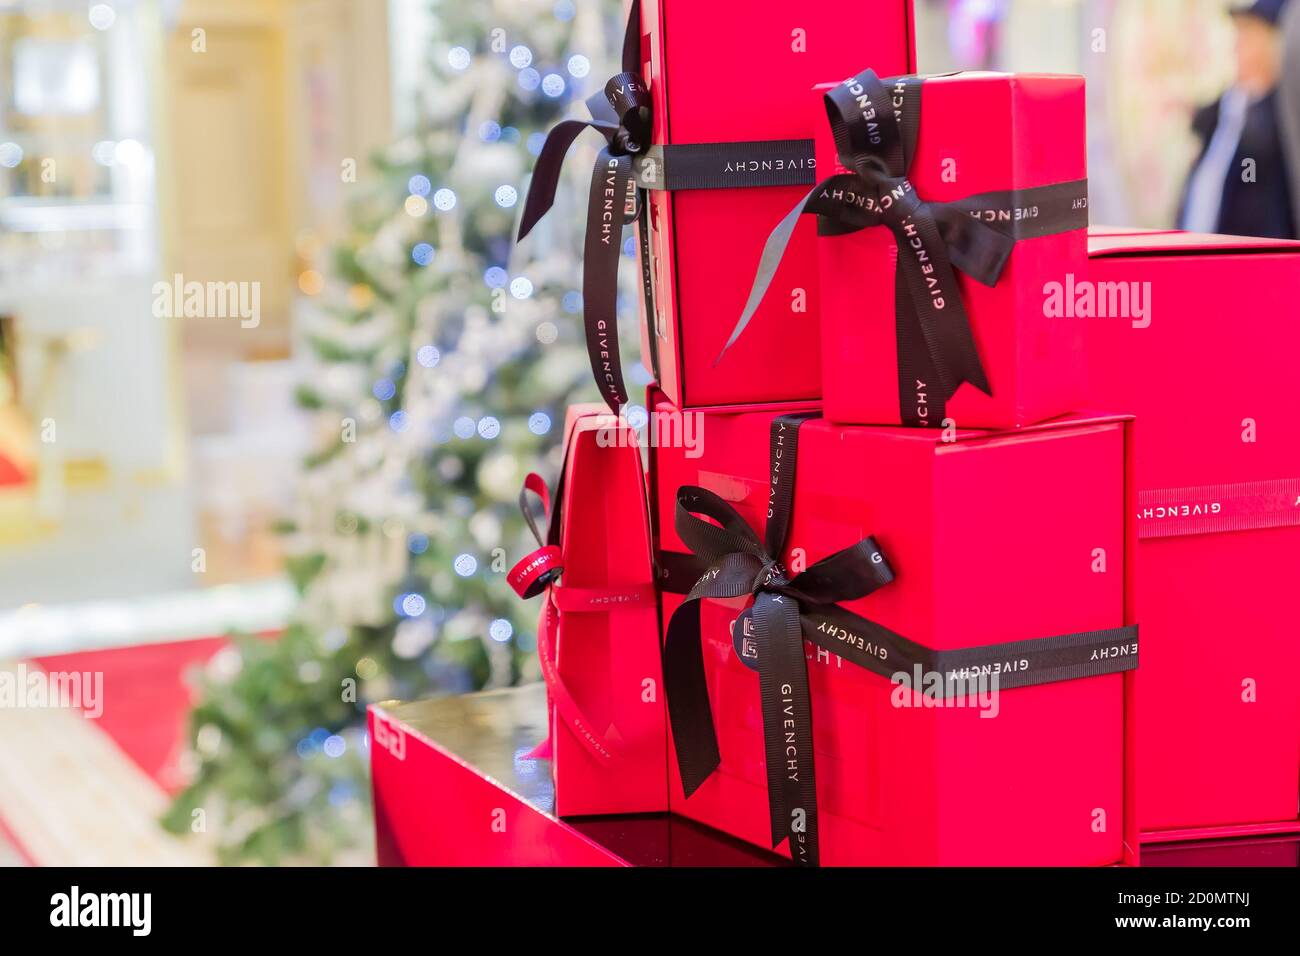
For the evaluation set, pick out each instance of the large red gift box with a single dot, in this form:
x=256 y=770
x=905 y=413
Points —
x=979 y=134
x=598 y=631
x=993 y=537
x=1197 y=335
x=723 y=74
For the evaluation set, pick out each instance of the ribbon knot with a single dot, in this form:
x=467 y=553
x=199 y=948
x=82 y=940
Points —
x=771 y=576
x=629 y=98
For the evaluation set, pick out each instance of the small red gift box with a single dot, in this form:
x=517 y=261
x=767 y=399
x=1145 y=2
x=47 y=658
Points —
x=598 y=632
x=1009 y=151
x=1197 y=336
x=719 y=74
x=992 y=538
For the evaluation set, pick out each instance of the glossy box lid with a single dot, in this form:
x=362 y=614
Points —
x=722 y=72
x=1113 y=242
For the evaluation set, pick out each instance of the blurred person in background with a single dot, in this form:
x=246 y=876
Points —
x=1241 y=182
x=1289 y=101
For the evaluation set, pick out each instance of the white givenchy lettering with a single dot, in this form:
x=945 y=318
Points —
x=1182 y=511
x=768 y=165
x=853 y=640
x=913 y=239
x=1115 y=650
x=851 y=198
x=602 y=342
x=988 y=670
x=777 y=455
x=788 y=724
x=1005 y=215
x=607 y=208
x=533 y=565
x=867 y=201
x=868 y=110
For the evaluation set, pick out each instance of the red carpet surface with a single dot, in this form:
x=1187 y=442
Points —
x=146 y=699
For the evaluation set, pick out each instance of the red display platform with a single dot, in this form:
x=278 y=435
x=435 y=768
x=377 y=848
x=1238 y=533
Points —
x=453 y=787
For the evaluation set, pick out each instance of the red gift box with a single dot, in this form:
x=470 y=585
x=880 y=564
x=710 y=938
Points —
x=720 y=75
x=1197 y=336
x=994 y=537
x=598 y=632
x=980 y=135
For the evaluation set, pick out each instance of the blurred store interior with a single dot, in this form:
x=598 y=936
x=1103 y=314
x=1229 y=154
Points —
x=146 y=457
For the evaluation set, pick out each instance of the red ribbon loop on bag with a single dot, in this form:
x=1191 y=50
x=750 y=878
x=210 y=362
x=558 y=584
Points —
x=531 y=575
x=539 y=572
x=539 y=568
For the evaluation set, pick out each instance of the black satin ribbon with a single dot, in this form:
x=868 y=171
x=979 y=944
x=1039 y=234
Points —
x=728 y=561
x=875 y=124
x=740 y=564
x=1026 y=663
x=747 y=165
x=678 y=571
x=622 y=114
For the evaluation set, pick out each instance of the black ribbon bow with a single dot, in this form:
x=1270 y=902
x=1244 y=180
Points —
x=875 y=124
x=622 y=114
x=740 y=564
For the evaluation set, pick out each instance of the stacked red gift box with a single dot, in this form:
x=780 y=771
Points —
x=923 y=452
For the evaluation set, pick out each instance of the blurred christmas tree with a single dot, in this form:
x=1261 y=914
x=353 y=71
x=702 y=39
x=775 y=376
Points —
x=441 y=373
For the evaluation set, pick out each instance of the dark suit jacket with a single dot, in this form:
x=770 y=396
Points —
x=1289 y=100
x=1259 y=208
